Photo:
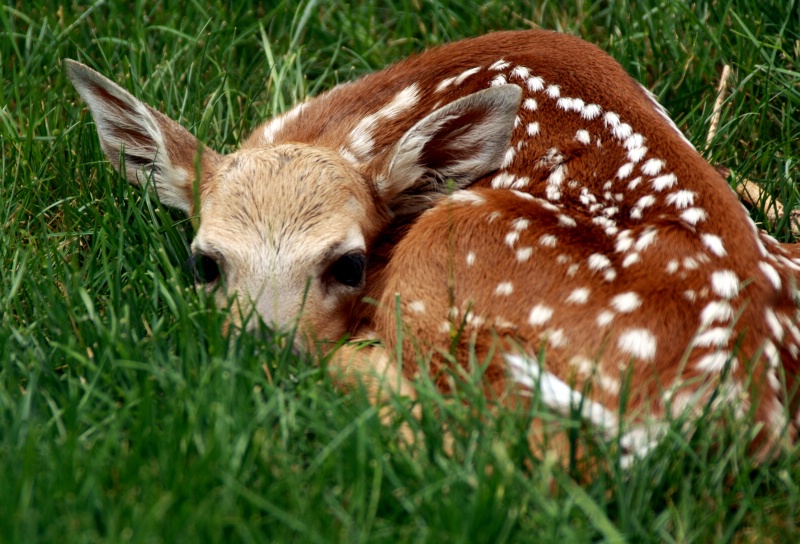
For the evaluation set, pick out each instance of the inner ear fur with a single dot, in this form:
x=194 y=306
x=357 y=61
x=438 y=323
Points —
x=152 y=146
x=461 y=141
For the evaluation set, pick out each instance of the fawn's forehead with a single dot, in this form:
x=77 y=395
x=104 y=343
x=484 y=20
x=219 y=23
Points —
x=288 y=193
x=291 y=181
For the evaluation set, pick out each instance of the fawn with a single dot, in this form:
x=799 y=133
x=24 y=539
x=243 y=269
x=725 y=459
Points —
x=508 y=196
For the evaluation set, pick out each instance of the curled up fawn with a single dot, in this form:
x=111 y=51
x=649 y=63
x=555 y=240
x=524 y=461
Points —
x=507 y=196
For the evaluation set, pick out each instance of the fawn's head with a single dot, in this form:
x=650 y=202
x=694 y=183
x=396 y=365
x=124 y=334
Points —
x=288 y=228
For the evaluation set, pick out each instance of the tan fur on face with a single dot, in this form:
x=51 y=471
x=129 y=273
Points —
x=305 y=208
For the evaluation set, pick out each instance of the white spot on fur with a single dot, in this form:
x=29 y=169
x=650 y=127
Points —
x=635 y=141
x=566 y=221
x=716 y=337
x=772 y=275
x=772 y=355
x=622 y=131
x=652 y=167
x=524 y=196
x=637 y=154
x=501 y=323
x=418 y=307
x=504 y=180
x=773 y=324
x=524 y=253
x=591 y=111
x=520 y=223
x=694 y=215
x=553 y=91
x=501 y=64
x=645 y=202
x=624 y=241
x=532 y=129
x=583 y=136
x=470 y=258
x=557 y=395
x=512 y=237
x=504 y=289
x=631 y=260
x=714 y=244
x=273 y=127
x=361 y=140
x=509 y=157
x=535 y=84
x=530 y=104
x=626 y=302
x=475 y=320
x=681 y=199
x=672 y=266
x=521 y=72
x=556 y=338
x=547 y=205
x=404 y=100
x=521 y=182
x=791 y=327
x=540 y=314
x=548 y=240
x=715 y=362
x=552 y=192
x=557 y=175
x=789 y=262
x=465 y=74
x=716 y=311
x=646 y=239
x=468 y=197
x=690 y=263
x=666 y=181
x=579 y=296
x=625 y=170
x=639 y=343
x=634 y=183
x=598 y=261
x=499 y=81
x=725 y=283
x=604 y=318
x=611 y=119
x=445 y=83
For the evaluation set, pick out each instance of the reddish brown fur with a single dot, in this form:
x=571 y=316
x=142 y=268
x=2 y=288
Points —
x=495 y=271
x=435 y=247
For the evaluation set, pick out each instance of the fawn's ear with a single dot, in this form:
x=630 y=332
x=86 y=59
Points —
x=463 y=141
x=153 y=146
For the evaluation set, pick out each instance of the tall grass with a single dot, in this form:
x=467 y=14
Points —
x=126 y=414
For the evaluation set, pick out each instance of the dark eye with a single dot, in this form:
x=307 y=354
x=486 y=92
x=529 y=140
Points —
x=204 y=268
x=349 y=269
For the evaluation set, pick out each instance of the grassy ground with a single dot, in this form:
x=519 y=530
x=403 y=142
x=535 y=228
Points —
x=126 y=415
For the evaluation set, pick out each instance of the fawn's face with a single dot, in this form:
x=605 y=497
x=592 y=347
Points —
x=286 y=230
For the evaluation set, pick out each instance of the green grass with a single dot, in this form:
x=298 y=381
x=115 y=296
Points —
x=126 y=415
